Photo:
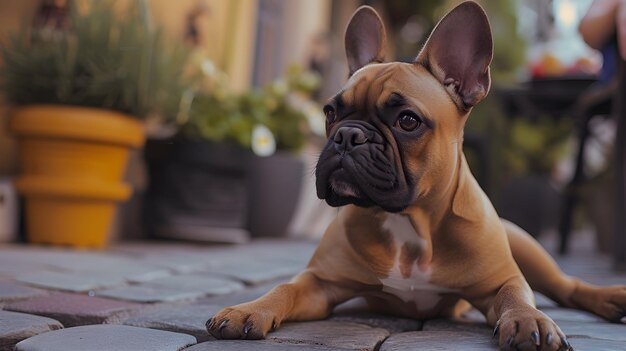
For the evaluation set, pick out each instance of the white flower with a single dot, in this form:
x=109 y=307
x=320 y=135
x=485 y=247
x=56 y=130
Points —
x=313 y=113
x=315 y=117
x=208 y=68
x=280 y=87
x=263 y=142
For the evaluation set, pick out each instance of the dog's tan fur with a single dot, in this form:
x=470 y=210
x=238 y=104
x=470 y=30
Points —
x=465 y=251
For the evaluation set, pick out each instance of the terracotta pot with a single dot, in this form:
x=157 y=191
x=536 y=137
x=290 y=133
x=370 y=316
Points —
x=72 y=160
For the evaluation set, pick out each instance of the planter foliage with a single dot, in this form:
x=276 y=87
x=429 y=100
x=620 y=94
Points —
x=283 y=107
x=79 y=92
x=103 y=60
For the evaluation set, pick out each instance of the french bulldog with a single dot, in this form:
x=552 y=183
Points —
x=416 y=235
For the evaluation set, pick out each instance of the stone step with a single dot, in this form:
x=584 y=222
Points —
x=106 y=338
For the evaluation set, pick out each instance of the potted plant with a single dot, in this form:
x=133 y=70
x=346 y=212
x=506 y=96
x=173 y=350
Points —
x=80 y=93
x=230 y=168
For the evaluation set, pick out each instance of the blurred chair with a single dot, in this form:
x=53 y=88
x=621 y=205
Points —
x=595 y=101
x=579 y=97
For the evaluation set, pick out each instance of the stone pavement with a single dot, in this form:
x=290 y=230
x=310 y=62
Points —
x=158 y=295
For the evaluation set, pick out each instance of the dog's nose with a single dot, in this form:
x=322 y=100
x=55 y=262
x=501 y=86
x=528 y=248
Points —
x=347 y=138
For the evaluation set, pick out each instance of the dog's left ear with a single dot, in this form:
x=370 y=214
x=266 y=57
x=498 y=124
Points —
x=459 y=51
x=365 y=39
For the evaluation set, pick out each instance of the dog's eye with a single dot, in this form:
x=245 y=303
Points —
x=329 y=111
x=408 y=121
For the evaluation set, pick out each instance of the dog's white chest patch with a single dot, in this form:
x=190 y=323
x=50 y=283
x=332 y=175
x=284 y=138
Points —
x=405 y=279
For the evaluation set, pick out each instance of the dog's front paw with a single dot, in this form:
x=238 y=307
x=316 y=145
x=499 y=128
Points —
x=529 y=329
x=244 y=321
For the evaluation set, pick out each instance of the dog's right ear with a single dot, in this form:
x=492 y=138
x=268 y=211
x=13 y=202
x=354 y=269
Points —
x=365 y=39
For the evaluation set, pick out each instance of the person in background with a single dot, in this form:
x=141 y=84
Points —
x=604 y=28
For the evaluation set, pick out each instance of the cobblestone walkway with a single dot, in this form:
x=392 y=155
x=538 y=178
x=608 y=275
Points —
x=157 y=296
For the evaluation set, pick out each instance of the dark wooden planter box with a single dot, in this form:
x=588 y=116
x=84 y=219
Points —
x=218 y=192
x=198 y=190
x=530 y=202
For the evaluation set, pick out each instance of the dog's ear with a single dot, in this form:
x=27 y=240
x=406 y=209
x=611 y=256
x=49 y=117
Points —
x=459 y=51
x=365 y=39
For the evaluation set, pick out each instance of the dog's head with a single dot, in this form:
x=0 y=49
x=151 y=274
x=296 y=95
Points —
x=395 y=129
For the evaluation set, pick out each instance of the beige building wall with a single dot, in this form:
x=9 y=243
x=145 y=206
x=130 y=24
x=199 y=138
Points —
x=304 y=21
x=227 y=32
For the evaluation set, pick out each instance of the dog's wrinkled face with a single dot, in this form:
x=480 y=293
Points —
x=395 y=129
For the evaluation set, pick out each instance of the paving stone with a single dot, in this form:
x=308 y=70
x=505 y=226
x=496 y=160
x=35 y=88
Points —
x=134 y=272
x=15 y=327
x=567 y=314
x=189 y=319
x=262 y=260
x=140 y=249
x=607 y=331
x=149 y=294
x=173 y=288
x=473 y=315
x=331 y=334
x=439 y=340
x=182 y=262
x=105 y=338
x=242 y=296
x=542 y=301
x=60 y=258
x=257 y=345
x=255 y=272
x=72 y=281
x=11 y=269
x=12 y=291
x=254 y=263
x=390 y=323
x=75 y=309
x=589 y=344
x=101 y=263
x=457 y=325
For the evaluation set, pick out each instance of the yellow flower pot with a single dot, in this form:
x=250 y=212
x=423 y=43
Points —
x=72 y=160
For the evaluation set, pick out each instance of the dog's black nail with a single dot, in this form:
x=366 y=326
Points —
x=509 y=341
x=496 y=329
x=565 y=343
x=209 y=323
x=535 y=336
x=549 y=339
x=246 y=328
x=223 y=324
x=273 y=325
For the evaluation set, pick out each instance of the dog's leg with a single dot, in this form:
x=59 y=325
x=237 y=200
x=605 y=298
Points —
x=305 y=298
x=544 y=276
x=518 y=324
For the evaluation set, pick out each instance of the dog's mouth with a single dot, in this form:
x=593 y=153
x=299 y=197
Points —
x=341 y=180
x=340 y=190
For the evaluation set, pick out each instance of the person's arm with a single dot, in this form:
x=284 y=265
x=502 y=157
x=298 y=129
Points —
x=603 y=20
x=598 y=24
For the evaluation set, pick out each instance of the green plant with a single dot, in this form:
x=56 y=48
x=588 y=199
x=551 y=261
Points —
x=534 y=147
x=104 y=60
x=281 y=107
